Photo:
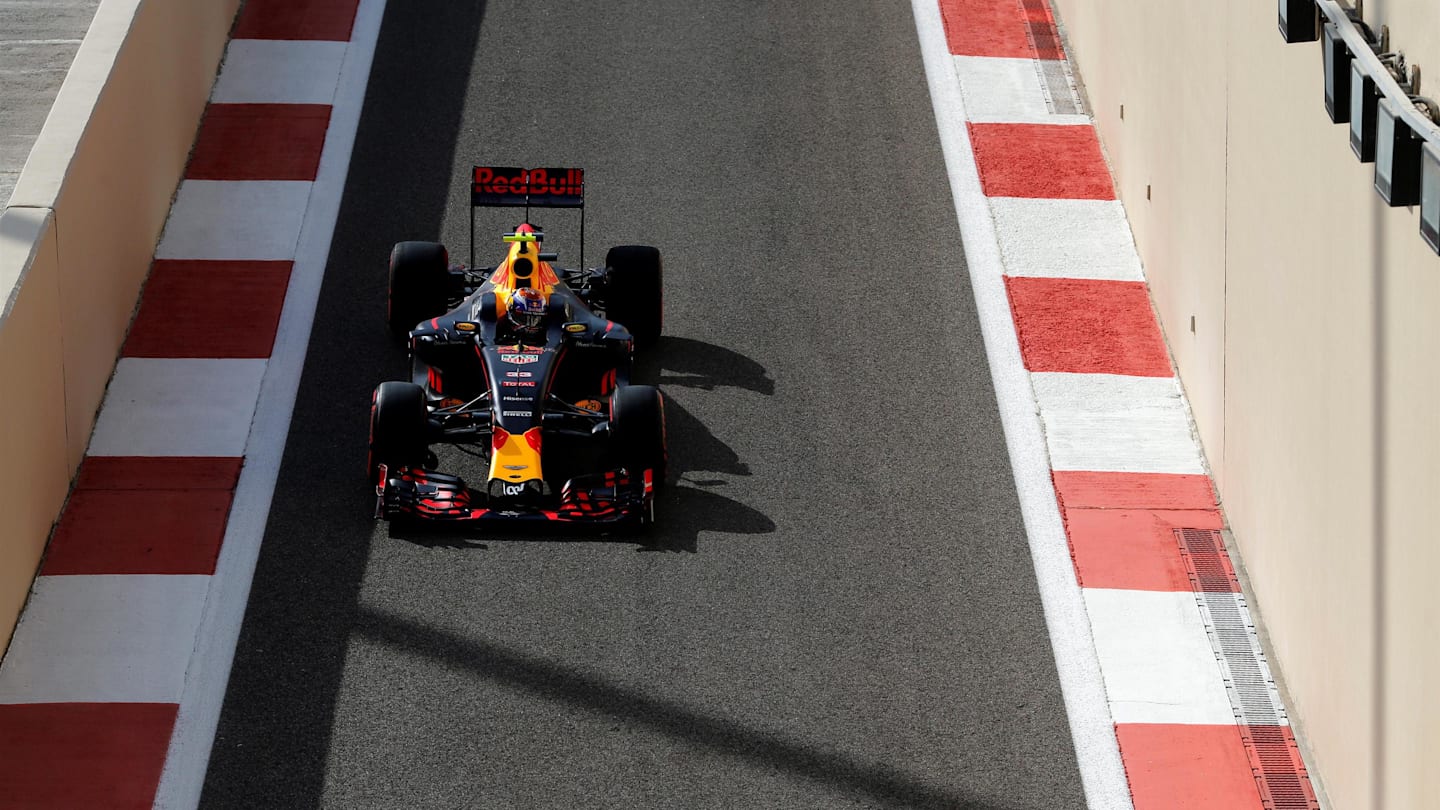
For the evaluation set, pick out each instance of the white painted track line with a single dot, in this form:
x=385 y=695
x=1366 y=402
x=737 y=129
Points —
x=264 y=71
x=1007 y=91
x=1091 y=727
x=1114 y=423
x=1158 y=663
x=104 y=639
x=229 y=219
x=177 y=407
x=199 y=714
x=1081 y=239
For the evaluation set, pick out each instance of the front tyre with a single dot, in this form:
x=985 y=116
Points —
x=634 y=291
x=637 y=428
x=397 y=428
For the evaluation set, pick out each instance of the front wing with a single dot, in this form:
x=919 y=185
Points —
x=602 y=499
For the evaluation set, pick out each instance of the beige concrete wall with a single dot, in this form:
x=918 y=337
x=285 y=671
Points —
x=1156 y=187
x=100 y=177
x=1312 y=370
x=35 y=475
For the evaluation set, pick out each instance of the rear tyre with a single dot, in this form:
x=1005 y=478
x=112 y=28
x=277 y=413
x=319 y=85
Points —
x=420 y=285
x=637 y=428
x=634 y=291
x=397 y=428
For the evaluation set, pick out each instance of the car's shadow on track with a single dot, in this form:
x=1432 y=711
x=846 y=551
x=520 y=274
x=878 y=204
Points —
x=683 y=513
x=685 y=508
x=678 y=361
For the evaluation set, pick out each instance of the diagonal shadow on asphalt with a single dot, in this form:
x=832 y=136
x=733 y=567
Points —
x=861 y=781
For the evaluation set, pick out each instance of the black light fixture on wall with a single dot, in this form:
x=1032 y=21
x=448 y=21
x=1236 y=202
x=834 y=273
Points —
x=1297 y=20
x=1337 y=74
x=1397 y=157
x=1430 y=195
x=1363 y=100
x=1377 y=92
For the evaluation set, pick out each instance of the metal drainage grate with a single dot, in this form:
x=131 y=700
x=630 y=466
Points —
x=1061 y=96
x=1278 y=767
x=1274 y=758
x=1040 y=27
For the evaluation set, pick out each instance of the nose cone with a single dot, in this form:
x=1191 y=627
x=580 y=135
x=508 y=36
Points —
x=515 y=474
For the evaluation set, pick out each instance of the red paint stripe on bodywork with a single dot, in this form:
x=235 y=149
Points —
x=259 y=142
x=69 y=755
x=296 y=19
x=1187 y=767
x=1041 y=160
x=1087 y=326
x=222 y=309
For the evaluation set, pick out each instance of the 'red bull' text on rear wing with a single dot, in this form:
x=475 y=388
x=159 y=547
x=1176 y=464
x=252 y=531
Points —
x=515 y=187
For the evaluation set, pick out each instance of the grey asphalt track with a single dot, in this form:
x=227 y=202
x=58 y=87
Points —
x=38 y=41
x=838 y=609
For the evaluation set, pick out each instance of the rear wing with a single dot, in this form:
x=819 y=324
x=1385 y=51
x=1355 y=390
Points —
x=515 y=187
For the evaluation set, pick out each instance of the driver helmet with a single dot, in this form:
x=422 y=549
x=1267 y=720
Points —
x=527 y=310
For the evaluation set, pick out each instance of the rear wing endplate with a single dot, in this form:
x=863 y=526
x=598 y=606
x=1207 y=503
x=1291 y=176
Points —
x=515 y=187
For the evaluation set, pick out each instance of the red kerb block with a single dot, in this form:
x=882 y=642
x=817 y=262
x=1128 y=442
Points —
x=1119 y=490
x=60 y=756
x=1087 y=326
x=329 y=20
x=1187 y=767
x=1048 y=161
x=260 y=142
x=1133 y=549
x=144 y=516
x=1004 y=28
x=220 y=309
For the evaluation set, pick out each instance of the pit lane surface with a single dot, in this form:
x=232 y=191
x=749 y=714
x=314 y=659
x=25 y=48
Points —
x=838 y=608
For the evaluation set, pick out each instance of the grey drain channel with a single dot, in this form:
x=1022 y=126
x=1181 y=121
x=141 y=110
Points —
x=1274 y=757
x=1061 y=97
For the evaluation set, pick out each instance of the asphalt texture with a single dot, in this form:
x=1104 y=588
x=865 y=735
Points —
x=838 y=607
x=38 y=41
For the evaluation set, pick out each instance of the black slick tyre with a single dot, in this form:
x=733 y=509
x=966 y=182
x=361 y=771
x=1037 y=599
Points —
x=419 y=285
x=637 y=428
x=634 y=291
x=397 y=427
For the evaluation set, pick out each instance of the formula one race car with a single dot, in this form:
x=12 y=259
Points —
x=528 y=367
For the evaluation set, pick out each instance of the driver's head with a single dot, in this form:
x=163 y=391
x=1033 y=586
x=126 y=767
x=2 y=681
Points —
x=527 y=311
